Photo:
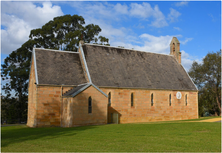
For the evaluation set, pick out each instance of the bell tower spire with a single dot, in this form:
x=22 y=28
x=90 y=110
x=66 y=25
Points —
x=175 y=49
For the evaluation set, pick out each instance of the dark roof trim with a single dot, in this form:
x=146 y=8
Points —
x=84 y=60
x=35 y=65
x=142 y=88
x=84 y=88
x=126 y=49
x=57 y=85
x=189 y=77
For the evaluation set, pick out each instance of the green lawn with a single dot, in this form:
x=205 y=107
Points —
x=152 y=137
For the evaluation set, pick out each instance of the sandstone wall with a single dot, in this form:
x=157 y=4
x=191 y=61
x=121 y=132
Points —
x=142 y=111
x=32 y=90
x=75 y=110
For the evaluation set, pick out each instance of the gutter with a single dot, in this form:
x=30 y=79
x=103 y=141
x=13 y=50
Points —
x=143 y=88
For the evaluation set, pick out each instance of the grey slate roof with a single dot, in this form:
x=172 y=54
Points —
x=58 y=67
x=116 y=67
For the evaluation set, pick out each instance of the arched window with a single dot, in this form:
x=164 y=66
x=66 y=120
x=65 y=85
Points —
x=131 y=99
x=186 y=100
x=173 y=47
x=151 y=99
x=90 y=105
x=109 y=99
x=170 y=99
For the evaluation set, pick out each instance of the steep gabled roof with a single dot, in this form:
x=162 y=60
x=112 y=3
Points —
x=75 y=91
x=58 y=67
x=124 y=68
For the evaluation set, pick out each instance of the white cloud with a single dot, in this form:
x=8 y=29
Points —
x=99 y=10
x=188 y=60
x=173 y=15
x=183 y=3
x=156 y=44
x=145 y=11
x=19 y=18
x=123 y=9
x=186 y=40
x=160 y=18
x=149 y=43
x=141 y=10
x=177 y=28
x=119 y=11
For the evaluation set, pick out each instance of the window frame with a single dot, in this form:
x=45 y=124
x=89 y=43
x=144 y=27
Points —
x=152 y=99
x=132 y=99
x=109 y=99
x=170 y=100
x=90 y=105
x=186 y=100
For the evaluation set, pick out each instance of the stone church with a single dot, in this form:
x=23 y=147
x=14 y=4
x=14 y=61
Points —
x=103 y=84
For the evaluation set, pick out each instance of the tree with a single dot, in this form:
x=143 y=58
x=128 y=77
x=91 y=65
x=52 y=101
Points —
x=12 y=110
x=207 y=77
x=62 y=33
x=65 y=32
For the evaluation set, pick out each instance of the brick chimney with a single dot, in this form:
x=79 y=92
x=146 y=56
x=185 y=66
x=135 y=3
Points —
x=175 y=49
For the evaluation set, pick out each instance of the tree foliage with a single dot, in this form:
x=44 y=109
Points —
x=207 y=77
x=65 y=32
x=12 y=110
x=62 y=33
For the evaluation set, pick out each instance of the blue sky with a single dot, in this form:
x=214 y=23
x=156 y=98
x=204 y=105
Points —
x=147 y=26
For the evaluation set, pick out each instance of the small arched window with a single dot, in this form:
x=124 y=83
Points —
x=109 y=99
x=173 y=47
x=131 y=99
x=170 y=99
x=151 y=99
x=90 y=105
x=186 y=100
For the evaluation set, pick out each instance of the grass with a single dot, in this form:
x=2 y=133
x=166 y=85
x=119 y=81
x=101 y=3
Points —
x=174 y=136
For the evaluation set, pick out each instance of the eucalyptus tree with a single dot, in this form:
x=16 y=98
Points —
x=207 y=77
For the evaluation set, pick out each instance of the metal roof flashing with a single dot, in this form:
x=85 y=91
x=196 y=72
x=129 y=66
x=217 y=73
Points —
x=35 y=65
x=189 y=77
x=84 y=60
x=82 y=89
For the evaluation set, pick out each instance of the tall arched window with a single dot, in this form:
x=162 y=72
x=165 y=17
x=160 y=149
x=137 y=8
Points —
x=186 y=100
x=170 y=99
x=131 y=99
x=173 y=47
x=109 y=99
x=151 y=99
x=90 y=105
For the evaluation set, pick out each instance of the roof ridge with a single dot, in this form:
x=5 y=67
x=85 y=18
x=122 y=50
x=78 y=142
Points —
x=56 y=50
x=125 y=49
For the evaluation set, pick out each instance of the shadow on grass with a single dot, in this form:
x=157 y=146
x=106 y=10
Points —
x=16 y=134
